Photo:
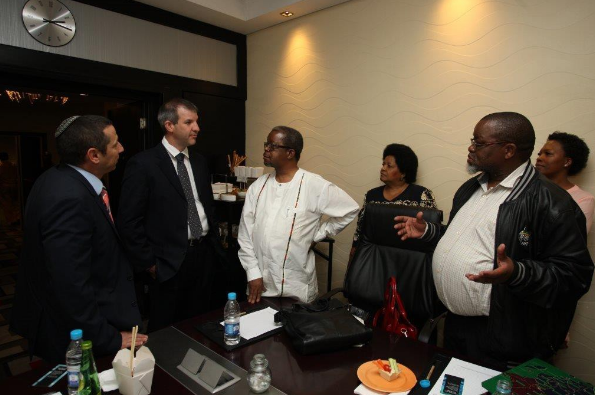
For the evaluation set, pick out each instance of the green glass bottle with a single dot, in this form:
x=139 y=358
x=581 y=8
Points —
x=89 y=383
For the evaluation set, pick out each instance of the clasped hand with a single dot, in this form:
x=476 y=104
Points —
x=127 y=339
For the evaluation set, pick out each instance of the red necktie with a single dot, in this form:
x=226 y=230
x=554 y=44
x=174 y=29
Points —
x=104 y=196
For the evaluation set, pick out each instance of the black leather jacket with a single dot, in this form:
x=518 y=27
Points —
x=544 y=232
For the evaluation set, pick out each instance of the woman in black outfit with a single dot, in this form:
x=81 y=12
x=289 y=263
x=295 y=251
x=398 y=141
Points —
x=398 y=173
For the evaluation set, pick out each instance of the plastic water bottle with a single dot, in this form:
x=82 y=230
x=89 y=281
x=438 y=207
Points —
x=74 y=354
x=231 y=315
x=503 y=387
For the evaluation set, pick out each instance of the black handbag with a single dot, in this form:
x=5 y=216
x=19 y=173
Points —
x=322 y=326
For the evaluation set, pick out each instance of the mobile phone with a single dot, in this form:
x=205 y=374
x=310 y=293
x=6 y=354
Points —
x=452 y=385
x=51 y=377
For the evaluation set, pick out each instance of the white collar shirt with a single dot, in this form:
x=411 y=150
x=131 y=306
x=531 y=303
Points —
x=469 y=246
x=266 y=226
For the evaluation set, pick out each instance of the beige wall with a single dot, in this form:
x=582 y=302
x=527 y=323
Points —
x=366 y=73
x=114 y=38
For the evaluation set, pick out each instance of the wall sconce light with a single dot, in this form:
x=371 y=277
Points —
x=286 y=14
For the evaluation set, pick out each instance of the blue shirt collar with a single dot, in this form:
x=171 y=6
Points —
x=93 y=180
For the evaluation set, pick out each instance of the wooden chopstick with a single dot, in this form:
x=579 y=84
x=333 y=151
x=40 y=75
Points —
x=132 y=347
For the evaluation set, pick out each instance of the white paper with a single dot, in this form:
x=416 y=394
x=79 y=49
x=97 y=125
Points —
x=473 y=375
x=108 y=381
x=363 y=390
x=257 y=323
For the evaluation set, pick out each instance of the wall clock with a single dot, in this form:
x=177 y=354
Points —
x=49 y=22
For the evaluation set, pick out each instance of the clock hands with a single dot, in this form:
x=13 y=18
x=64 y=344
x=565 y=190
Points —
x=57 y=23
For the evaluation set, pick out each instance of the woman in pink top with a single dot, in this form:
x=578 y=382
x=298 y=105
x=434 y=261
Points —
x=565 y=155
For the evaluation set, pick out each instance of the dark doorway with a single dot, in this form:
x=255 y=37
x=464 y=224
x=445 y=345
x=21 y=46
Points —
x=30 y=116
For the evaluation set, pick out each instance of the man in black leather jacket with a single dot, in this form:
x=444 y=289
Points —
x=540 y=265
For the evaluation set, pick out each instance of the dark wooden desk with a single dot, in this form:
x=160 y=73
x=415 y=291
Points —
x=293 y=373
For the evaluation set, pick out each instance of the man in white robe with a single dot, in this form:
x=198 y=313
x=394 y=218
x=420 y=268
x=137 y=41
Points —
x=281 y=221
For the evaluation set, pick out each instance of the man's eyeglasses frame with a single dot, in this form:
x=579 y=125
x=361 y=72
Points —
x=272 y=146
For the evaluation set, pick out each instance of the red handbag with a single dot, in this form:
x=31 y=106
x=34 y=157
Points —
x=393 y=314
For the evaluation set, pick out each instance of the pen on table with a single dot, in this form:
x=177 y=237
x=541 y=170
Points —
x=242 y=313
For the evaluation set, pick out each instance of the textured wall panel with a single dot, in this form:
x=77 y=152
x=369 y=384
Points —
x=109 y=37
x=367 y=73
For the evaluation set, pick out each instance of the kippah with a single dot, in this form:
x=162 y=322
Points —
x=64 y=125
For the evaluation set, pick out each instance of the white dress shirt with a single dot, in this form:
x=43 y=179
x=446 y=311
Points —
x=469 y=246
x=173 y=151
x=265 y=228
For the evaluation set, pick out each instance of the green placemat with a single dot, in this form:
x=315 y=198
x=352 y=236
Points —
x=536 y=377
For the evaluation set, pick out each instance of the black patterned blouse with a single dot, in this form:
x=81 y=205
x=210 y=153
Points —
x=414 y=195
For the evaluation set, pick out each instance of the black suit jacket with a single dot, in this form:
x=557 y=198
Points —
x=73 y=272
x=153 y=211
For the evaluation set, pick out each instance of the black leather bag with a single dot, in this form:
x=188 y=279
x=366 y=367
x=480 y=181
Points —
x=382 y=254
x=323 y=326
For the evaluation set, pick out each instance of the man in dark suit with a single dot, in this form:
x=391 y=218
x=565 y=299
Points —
x=166 y=218
x=73 y=273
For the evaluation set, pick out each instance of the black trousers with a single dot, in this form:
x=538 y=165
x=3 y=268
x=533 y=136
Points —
x=188 y=293
x=468 y=336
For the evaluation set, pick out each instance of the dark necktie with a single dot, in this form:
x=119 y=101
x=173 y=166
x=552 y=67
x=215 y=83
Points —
x=193 y=218
x=105 y=198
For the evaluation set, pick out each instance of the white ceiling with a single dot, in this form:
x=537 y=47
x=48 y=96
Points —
x=242 y=16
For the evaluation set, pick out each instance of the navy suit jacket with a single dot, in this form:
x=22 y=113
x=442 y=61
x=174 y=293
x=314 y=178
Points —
x=73 y=272
x=153 y=211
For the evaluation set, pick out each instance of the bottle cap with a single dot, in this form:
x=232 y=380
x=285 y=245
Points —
x=76 y=334
x=231 y=296
x=87 y=344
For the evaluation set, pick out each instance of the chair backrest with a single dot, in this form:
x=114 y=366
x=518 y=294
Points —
x=381 y=254
x=379 y=221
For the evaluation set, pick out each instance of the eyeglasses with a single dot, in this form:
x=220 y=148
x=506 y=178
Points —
x=477 y=145
x=272 y=146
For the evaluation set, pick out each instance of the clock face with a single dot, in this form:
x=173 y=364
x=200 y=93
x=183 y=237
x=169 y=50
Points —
x=49 y=22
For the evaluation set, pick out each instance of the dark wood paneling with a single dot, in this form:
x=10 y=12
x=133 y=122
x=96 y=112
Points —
x=222 y=128
x=221 y=107
x=65 y=68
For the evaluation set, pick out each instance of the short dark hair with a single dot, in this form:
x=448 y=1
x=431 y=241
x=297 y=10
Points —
x=515 y=128
x=574 y=148
x=85 y=132
x=169 y=111
x=291 y=138
x=405 y=158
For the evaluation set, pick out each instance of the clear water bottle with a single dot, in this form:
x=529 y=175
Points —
x=74 y=354
x=503 y=387
x=231 y=315
x=259 y=377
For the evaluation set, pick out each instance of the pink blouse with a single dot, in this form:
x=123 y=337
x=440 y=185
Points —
x=585 y=201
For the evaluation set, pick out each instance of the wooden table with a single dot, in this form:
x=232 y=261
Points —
x=293 y=373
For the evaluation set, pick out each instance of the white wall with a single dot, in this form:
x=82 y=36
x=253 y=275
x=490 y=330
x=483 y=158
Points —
x=109 y=37
x=366 y=73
